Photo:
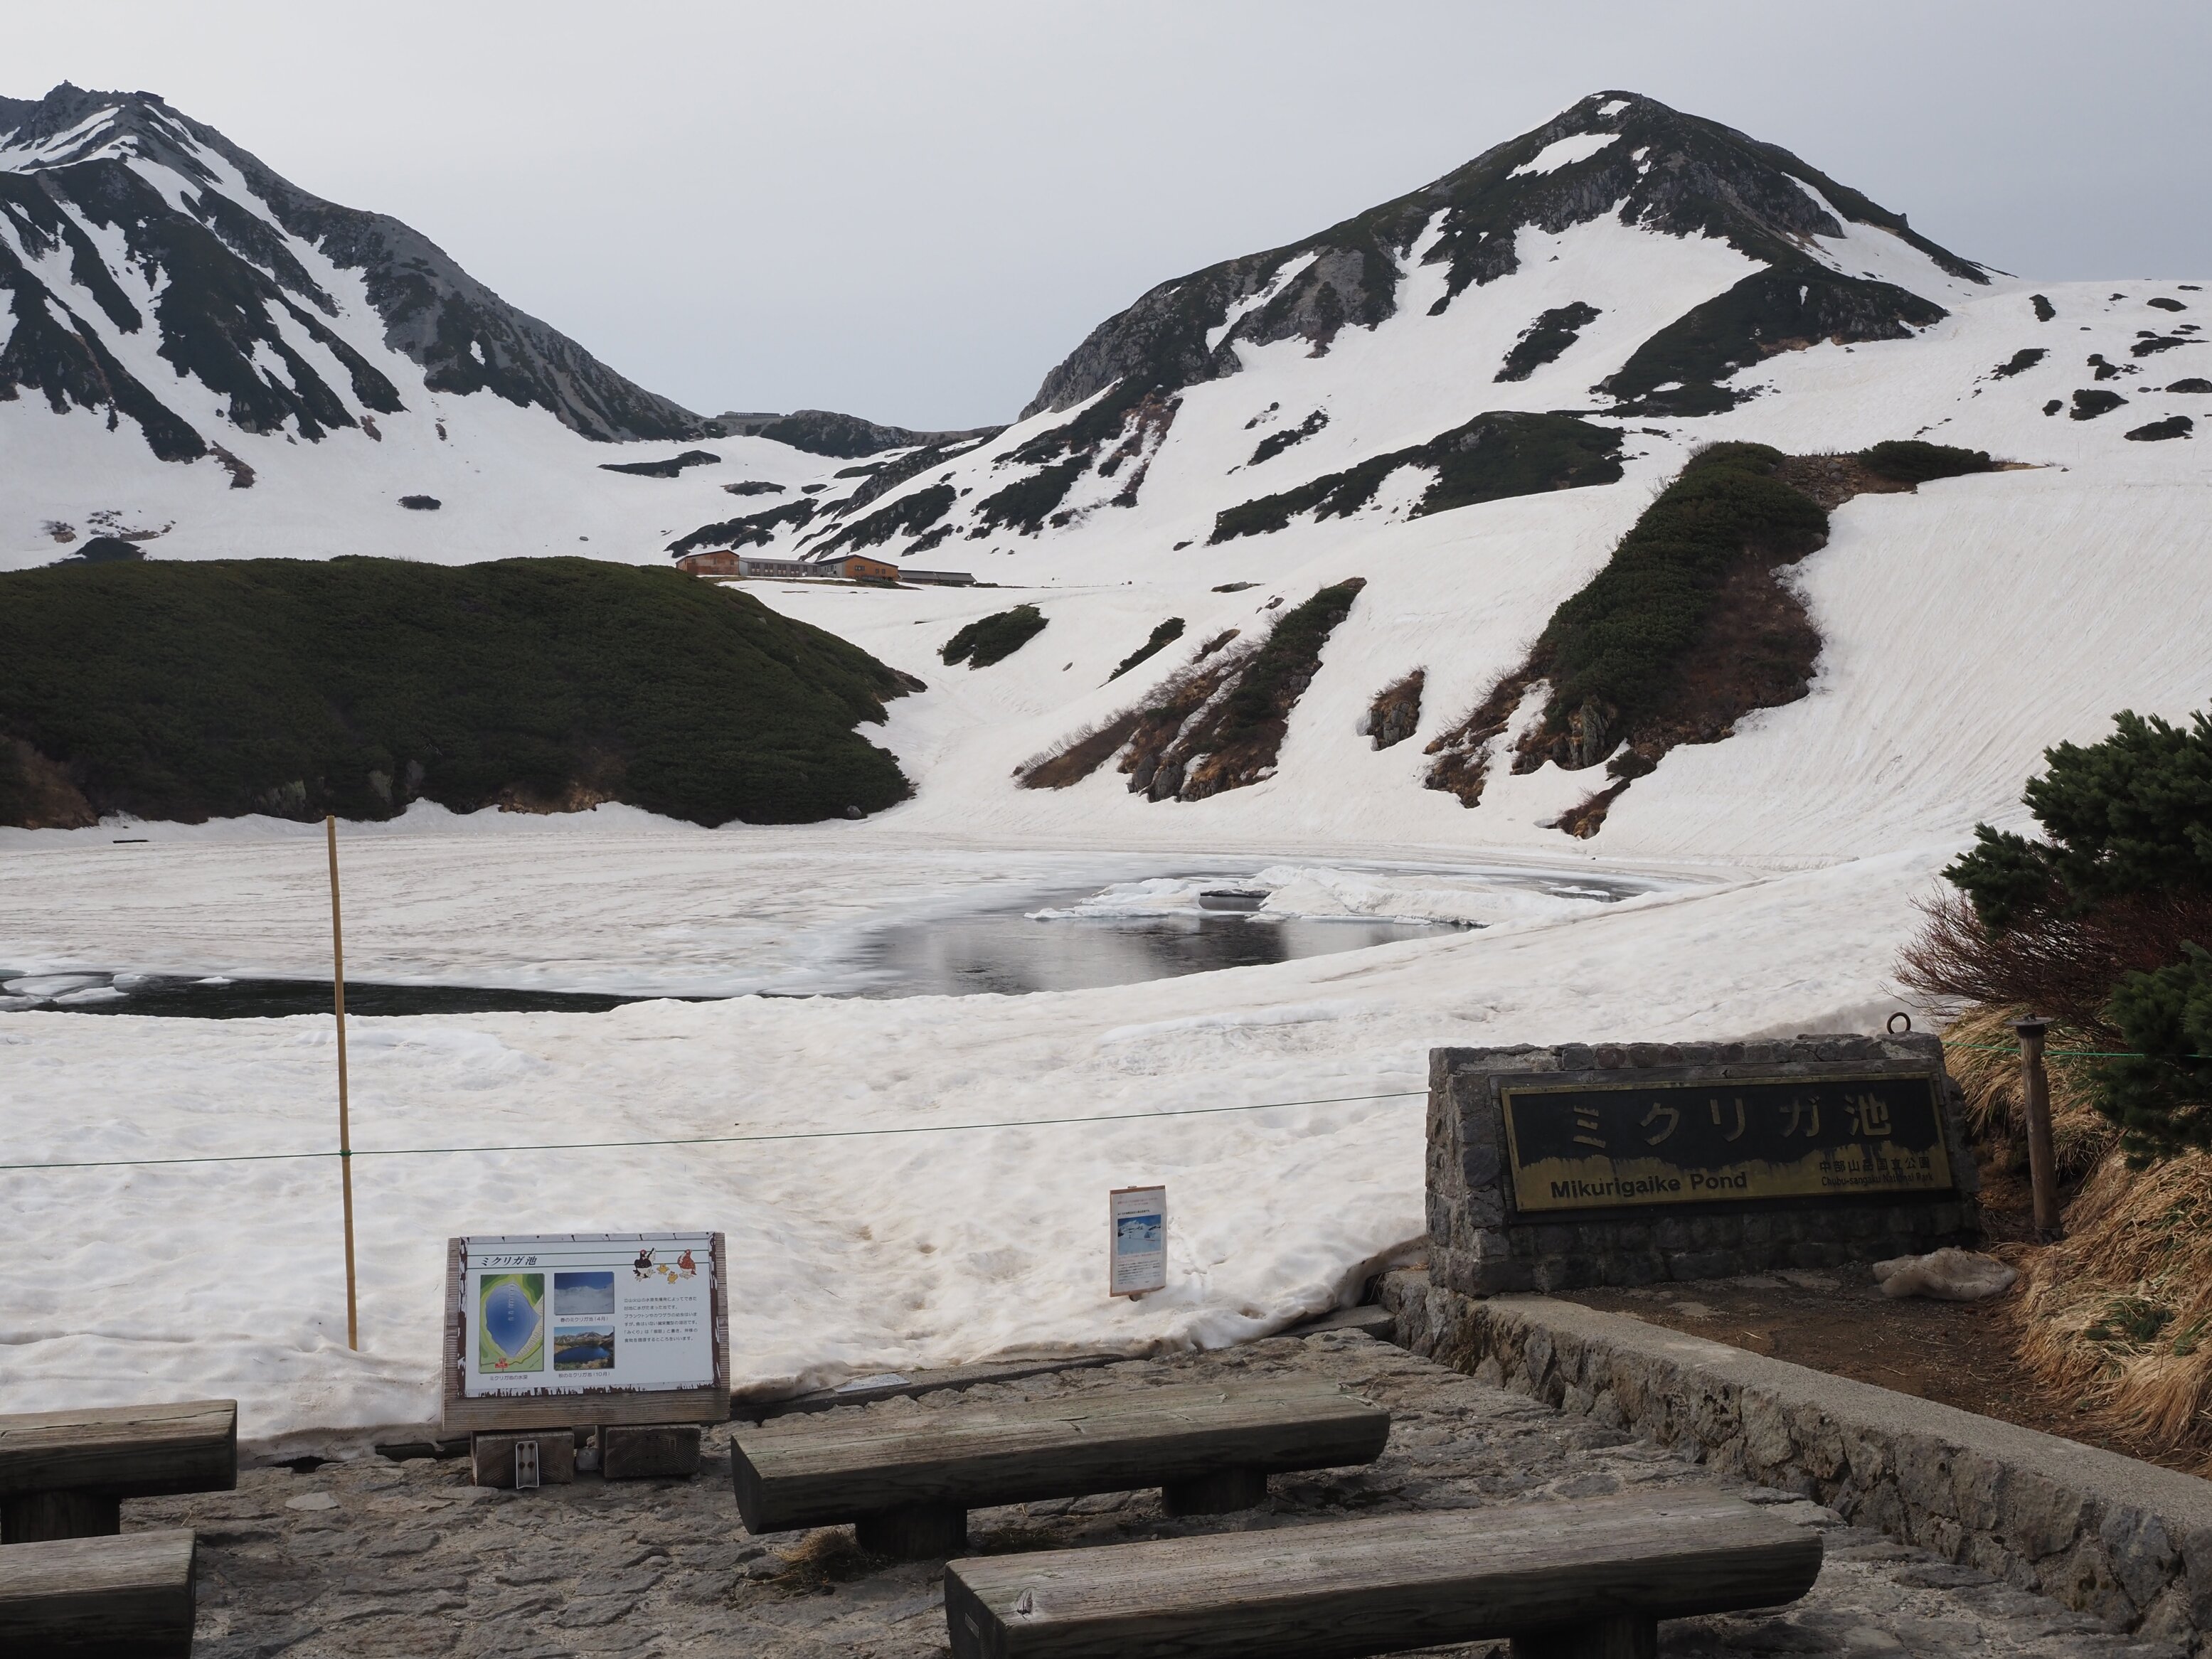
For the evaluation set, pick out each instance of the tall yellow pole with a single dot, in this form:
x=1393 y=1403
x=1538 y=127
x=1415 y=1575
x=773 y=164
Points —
x=345 y=1130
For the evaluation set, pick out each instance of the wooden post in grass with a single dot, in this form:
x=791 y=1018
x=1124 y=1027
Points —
x=2035 y=1100
x=346 y=1130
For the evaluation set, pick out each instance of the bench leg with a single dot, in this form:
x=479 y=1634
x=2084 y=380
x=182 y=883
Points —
x=1625 y=1636
x=923 y=1532
x=40 y=1517
x=1216 y=1494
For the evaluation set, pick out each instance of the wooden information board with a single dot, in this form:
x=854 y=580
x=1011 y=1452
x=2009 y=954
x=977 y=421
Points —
x=564 y=1329
x=1574 y=1147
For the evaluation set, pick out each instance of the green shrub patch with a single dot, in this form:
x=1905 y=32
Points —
x=186 y=691
x=1909 y=461
x=1024 y=505
x=1544 y=340
x=1686 y=629
x=747 y=529
x=1620 y=642
x=1165 y=635
x=993 y=638
x=2173 y=426
x=1500 y=453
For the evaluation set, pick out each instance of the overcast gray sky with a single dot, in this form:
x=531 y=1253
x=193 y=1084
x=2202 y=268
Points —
x=912 y=210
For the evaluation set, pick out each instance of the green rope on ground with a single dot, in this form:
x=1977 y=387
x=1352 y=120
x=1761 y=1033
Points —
x=712 y=1140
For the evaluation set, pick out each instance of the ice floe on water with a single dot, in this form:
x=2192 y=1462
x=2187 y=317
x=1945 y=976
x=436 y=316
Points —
x=1469 y=897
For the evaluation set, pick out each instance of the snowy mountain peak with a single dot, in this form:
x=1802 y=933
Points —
x=1622 y=260
x=1613 y=154
x=70 y=126
x=156 y=273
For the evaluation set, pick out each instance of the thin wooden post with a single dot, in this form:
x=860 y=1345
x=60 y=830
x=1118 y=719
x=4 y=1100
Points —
x=345 y=1129
x=2035 y=1103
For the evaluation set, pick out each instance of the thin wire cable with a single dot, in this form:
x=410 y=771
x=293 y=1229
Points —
x=712 y=1140
x=2066 y=1053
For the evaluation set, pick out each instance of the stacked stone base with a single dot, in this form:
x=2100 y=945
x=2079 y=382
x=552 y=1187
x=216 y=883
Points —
x=2125 y=1541
x=1571 y=1255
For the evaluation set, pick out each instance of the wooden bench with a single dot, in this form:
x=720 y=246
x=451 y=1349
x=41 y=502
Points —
x=908 y=1480
x=64 y=1474
x=1582 y=1580
x=126 y=1597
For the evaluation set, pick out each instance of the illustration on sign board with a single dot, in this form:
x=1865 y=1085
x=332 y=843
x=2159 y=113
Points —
x=511 y=1323
x=584 y=1347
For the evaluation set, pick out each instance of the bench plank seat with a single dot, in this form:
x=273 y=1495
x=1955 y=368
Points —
x=1585 y=1576
x=128 y=1597
x=64 y=1474
x=836 y=1467
x=126 y=1451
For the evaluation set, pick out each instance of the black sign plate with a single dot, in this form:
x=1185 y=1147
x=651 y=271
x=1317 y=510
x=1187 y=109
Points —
x=1607 y=1145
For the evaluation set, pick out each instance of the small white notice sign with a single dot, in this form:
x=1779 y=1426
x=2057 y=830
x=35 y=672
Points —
x=579 y=1313
x=1137 y=1233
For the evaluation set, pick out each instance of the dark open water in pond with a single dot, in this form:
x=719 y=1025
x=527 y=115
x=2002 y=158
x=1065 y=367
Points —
x=994 y=949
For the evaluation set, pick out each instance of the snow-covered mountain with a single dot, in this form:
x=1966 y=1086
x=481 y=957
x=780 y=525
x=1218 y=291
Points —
x=1464 y=397
x=129 y=233
x=1343 y=487
x=1687 y=254
x=1620 y=287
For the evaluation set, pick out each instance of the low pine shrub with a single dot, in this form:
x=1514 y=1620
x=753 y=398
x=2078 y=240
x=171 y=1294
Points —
x=1909 y=460
x=186 y=690
x=993 y=638
x=2101 y=922
x=1620 y=643
x=1163 y=636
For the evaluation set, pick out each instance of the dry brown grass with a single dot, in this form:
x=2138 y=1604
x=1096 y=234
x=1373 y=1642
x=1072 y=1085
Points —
x=826 y=1556
x=1076 y=756
x=1983 y=1056
x=2118 y=1314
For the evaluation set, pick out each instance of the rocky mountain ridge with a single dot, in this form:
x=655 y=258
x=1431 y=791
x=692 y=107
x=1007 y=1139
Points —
x=141 y=248
x=1615 y=154
x=1746 y=251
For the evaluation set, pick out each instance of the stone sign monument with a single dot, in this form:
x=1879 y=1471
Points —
x=1605 y=1164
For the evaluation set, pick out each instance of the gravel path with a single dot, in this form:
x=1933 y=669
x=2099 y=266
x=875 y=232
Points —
x=376 y=1557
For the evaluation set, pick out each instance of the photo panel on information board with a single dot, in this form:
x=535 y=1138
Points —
x=558 y=1314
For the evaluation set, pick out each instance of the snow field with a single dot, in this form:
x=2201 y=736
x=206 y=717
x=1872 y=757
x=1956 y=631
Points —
x=850 y=1255
x=1967 y=627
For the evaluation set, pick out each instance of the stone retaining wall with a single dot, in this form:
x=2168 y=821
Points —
x=2125 y=1541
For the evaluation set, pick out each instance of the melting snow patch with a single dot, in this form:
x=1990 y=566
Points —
x=1293 y=1013
x=1611 y=108
x=1565 y=152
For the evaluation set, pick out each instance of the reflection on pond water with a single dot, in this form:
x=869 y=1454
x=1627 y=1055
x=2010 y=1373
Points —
x=1013 y=954
x=1069 y=941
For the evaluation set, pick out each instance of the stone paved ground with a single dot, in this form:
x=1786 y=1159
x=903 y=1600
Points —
x=376 y=1557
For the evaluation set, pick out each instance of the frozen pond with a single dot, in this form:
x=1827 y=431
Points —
x=1007 y=938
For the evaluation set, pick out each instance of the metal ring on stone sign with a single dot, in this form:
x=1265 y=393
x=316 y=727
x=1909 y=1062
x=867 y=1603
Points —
x=1893 y=1018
